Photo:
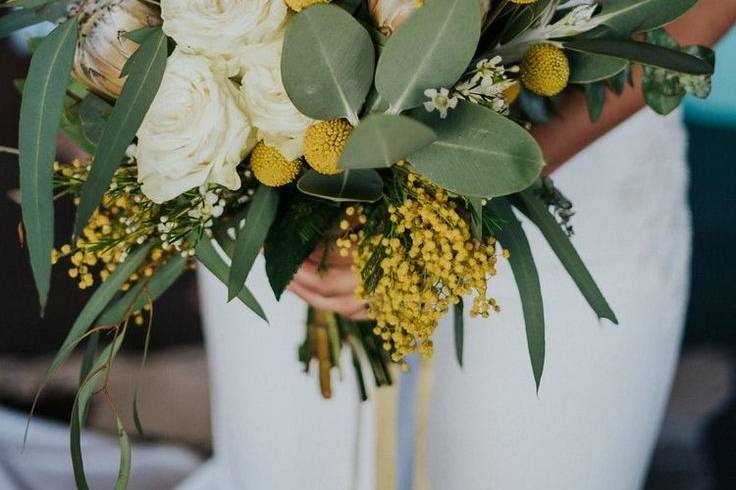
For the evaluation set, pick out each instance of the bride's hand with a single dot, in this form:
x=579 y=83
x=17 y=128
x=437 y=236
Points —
x=331 y=290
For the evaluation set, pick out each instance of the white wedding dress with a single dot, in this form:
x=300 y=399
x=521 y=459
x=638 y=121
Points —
x=593 y=424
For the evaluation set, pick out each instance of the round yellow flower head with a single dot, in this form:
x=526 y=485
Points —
x=523 y=2
x=298 y=5
x=323 y=145
x=512 y=93
x=271 y=168
x=545 y=70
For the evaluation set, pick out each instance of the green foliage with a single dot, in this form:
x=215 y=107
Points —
x=432 y=49
x=595 y=95
x=533 y=207
x=94 y=307
x=478 y=152
x=511 y=236
x=303 y=222
x=18 y=19
x=40 y=115
x=258 y=220
x=363 y=185
x=210 y=258
x=628 y=16
x=665 y=89
x=643 y=53
x=327 y=63
x=381 y=140
x=459 y=330
x=145 y=72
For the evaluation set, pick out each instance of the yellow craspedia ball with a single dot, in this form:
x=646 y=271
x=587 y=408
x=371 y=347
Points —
x=298 y=5
x=512 y=93
x=545 y=70
x=323 y=145
x=271 y=168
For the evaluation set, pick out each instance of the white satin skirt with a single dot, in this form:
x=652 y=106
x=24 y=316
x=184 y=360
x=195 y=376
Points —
x=594 y=422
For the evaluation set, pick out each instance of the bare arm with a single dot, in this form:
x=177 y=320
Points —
x=560 y=139
x=570 y=132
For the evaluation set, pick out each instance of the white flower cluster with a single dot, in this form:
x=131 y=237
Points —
x=485 y=85
x=221 y=93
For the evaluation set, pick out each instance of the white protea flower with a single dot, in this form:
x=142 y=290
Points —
x=440 y=100
x=102 y=48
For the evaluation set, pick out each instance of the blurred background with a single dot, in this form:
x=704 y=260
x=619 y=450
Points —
x=698 y=437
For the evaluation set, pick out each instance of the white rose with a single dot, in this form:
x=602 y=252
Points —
x=194 y=132
x=219 y=27
x=278 y=123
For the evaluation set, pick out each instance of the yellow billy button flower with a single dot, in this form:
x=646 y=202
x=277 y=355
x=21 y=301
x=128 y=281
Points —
x=512 y=93
x=545 y=70
x=323 y=145
x=271 y=168
x=298 y=5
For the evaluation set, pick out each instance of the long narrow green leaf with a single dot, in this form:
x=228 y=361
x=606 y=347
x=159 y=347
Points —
x=537 y=212
x=512 y=237
x=210 y=258
x=125 y=456
x=40 y=113
x=143 y=292
x=96 y=304
x=80 y=408
x=643 y=53
x=17 y=20
x=459 y=327
x=140 y=88
x=258 y=220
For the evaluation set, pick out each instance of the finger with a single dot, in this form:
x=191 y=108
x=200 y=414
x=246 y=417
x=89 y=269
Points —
x=361 y=314
x=334 y=258
x=342 y=305
x=337 y=281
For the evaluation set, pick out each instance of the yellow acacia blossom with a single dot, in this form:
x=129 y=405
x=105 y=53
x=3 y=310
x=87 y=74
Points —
x=428 y=261
x=545 y=70
x=323 y=145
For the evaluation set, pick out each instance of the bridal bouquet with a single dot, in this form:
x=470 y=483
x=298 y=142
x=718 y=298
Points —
x=395 y=131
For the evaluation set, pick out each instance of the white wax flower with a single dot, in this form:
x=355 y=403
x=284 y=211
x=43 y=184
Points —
x=219 y=27
x=194 y=133
x=277 y=122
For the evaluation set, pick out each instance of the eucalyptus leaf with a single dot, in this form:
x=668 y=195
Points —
x=79 y=412
x=512 y=237
x=40 y=115
x=16 y=20
x=144 y=78
x=643 y=53
x=327 y=63
x=478 y=152
x=347 y=186
x=432 y=49
x=96 y=304
x=628 y=16
x=533 y=207
x=258 y=220
x=209 y=257
x=380 y=140
x=590 y=68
